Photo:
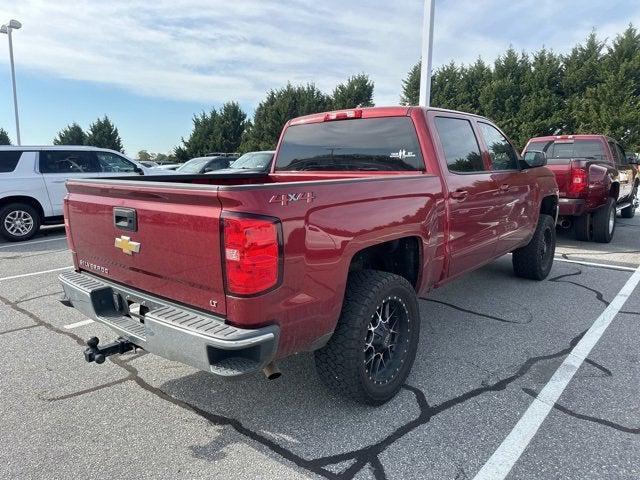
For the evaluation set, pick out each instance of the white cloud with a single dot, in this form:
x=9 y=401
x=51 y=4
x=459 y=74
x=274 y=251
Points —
x=215 y=50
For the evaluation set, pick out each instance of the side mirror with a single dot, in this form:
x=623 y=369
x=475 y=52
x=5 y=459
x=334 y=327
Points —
x=534 y=158
x=138 y=170
x=632 y=160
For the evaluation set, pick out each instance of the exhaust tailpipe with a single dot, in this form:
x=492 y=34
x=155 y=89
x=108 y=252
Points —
x=565 y=223
x=271 y=371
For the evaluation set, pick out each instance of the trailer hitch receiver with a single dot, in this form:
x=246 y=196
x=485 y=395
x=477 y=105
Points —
x=98 y=354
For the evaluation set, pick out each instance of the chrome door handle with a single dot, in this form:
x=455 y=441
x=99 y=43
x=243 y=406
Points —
x=459 y=194
x=505 y=187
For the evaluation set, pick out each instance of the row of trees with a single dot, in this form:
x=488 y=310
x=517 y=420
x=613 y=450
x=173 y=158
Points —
x=228 y=129
x=594 y=88
x=102 y=133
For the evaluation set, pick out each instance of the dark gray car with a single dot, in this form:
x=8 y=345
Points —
x=205 y=164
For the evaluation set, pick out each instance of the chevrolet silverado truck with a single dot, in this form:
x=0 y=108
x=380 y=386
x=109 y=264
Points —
x=596 y=179
x=363 y=212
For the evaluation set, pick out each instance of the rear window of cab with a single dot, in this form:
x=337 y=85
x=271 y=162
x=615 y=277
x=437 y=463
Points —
x=366 y=144
x=9 y=160
x=564 y=149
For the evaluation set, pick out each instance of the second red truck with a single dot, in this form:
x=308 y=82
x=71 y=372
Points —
x=363 y=212
x=596 y=180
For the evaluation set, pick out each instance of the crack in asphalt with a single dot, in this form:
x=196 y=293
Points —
x=18 y=329
x=45 y=295
x=598 y=293
x=473 y=312
x=602 y=368
x=362 y=457
x=588 y=418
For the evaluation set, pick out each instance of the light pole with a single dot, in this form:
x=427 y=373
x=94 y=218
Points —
x=8 y=28
x=427 y=49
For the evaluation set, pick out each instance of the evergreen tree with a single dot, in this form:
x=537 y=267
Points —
x=202 y=139
x=501 y=99
x=357 y=91
x=4 y=137
x=214 y=132
x=445 y=87
x=543 y=109
x=231 y=125
x=278 y=108
x=473 y=80
x=70 y=135
x=103 y=134
x=583 y=69
x=411 y=86
x=612 y=107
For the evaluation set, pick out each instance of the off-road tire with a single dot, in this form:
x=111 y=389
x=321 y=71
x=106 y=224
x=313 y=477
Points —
x=28 y=213
x=534 y=260
x=602 y=229
x=342 y=362
x=630 y=211
x=582 y=227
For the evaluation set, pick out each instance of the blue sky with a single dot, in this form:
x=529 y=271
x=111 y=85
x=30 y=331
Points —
x=151 y=65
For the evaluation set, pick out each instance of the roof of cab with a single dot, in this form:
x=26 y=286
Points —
x=374 y=112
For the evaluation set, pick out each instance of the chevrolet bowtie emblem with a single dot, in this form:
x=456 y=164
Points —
x=127 y=246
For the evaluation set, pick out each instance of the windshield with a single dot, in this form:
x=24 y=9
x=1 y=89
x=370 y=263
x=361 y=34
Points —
x=259 y=160
x=564 y=149
x=195 y=165
x=371 y=144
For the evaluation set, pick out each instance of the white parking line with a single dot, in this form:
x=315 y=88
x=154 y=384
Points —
x=35 y=273
x=504 y=458
x=32 y=243
x=592 y=264
x=78 y=324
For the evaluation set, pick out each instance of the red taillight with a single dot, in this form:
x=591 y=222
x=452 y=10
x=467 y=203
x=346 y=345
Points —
x=578 y=182
x=252 y=254
x=345 y=115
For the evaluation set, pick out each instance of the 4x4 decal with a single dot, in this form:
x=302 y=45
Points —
x=286 y=198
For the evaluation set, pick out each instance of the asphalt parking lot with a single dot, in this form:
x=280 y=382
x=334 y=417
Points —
x=490 y=343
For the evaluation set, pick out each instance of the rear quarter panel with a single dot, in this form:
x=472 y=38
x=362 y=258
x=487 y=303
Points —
x=321 y=237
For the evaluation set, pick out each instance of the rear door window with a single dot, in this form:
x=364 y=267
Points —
x=9 y=160
x=460 y=145
x=503 y=156
x=368 y=144
x=60 y=161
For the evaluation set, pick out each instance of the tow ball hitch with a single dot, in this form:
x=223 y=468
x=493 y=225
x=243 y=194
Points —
x=98 y=354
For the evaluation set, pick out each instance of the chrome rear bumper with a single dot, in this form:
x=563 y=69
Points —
x=169 y=330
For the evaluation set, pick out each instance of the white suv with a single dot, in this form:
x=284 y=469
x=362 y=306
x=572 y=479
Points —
x=32 y=182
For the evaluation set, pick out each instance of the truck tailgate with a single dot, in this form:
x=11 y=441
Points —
x=561 y=168
x=171 y=248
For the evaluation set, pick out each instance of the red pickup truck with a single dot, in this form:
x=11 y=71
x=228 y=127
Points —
x=363 y=212
x=596 y=179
